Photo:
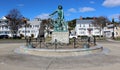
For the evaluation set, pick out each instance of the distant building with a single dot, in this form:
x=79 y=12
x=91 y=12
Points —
x=86 y=28
x=31 y=29
x=4 y=27
x=108 y=30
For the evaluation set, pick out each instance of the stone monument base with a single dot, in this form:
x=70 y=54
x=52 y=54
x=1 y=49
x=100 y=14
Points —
x=62 y=37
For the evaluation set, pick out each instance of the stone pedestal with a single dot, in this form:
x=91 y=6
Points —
x=62 y=37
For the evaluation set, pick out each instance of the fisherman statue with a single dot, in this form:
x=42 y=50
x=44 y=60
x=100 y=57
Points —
x=59 y=23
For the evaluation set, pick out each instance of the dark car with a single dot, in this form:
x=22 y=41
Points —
x=16 y=37
x=4 y=36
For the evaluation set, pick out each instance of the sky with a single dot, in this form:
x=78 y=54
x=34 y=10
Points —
x=73 y=9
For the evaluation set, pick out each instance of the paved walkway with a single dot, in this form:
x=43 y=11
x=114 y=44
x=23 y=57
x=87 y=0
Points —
x=111 y=40
x=13 y=61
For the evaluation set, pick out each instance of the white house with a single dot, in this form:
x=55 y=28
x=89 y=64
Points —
x=108 y=30
x=31 y=30
x=4 y=27
x=86 y=28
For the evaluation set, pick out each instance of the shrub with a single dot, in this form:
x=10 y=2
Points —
x=21 y=35
x=32 y=35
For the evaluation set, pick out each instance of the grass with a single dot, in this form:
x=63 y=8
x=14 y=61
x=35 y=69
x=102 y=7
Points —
x=117 y=38
x=48 y=39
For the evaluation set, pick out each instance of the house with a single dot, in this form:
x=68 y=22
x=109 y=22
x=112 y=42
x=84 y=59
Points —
x=109 y=29
x=86 y=28
x=31 y=29
x=4 y=27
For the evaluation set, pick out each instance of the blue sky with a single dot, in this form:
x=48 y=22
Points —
x=72 y=8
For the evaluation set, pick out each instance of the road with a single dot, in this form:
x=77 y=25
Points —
x=9 y=60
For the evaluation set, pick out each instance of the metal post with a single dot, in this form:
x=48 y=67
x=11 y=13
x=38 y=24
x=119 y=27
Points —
x=74 y=43
x=25 y=31
x=55 y=44
x=40 y=42
x=88 y=39
x=94 y=40
x=26 y=42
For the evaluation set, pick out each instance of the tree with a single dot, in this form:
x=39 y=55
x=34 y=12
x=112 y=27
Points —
x=44 y=26
x=15 y=20
x=72 y=24
x=101 y=22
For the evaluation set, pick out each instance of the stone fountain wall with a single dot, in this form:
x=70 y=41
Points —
x=62 y=37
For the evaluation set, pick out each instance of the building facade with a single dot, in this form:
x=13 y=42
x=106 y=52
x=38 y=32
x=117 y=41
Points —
x=86 y=28
x=31 y=29
x=109 y=29
x=4 y=27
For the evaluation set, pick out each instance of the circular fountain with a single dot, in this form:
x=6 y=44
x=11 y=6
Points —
x=59 y=43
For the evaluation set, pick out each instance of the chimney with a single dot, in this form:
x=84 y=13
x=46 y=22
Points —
x=94 y=18
x=81 y=18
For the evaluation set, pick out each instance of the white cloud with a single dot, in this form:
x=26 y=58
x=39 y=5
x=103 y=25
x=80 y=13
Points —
x=67 y=14
x=20 y=5
x=111 y=3
x=43 y=16
x=86 y=9
x=116 y=16
x=92 y=2
x=73 y=10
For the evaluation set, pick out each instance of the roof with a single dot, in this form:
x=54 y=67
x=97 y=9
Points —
x=34 y=22
x=84 y=21
x=2 y=22
x=4 y=18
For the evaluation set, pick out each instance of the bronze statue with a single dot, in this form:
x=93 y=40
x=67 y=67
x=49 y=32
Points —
x=59 y=23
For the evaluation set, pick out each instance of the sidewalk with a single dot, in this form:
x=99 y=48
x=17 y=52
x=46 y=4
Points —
x=111 y=40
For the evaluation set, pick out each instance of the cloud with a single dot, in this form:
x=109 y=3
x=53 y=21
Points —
x=73 y=10
x=86 y=9
x=114 y=16
x=67 y=14
x=43 y=16
x=111 y=3
x=20 y=5
x=92 y=2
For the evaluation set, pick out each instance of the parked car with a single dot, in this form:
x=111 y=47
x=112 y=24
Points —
x=73 y=36
x=4 y=36
x=16 y=36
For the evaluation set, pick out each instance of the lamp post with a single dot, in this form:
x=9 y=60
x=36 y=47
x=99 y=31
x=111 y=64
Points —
x=113 y=29
x=25 y=22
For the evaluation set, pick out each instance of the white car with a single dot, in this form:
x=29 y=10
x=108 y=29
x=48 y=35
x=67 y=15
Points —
x=73 y=36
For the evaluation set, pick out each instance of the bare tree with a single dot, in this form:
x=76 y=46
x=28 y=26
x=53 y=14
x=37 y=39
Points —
x=15 y=20
x=101 y=22
x=46 y=26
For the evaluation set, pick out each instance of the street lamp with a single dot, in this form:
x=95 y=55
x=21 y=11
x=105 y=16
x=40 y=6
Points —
x=25 y=22
x=113 y=29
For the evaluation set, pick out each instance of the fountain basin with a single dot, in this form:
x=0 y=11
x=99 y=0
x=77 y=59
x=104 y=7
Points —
x=59 y=52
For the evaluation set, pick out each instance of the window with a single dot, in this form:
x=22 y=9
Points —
x=37 y=26
x=82 y=29
x=82 y=32
x=116 y=33
x=19 y=31
x=97 y=32
x=80 y=25
x=23 y=31
x=30 y=26
x=28 y=31
x=90 y=25
x=6 y=27
x=83 y=25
